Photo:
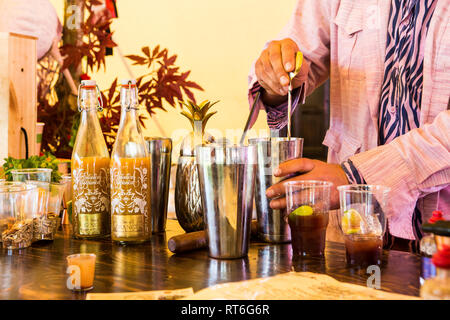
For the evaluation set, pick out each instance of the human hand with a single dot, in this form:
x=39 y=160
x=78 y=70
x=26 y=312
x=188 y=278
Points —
x=273 y=66
x=308 y=169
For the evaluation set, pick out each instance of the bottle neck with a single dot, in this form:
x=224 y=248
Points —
x=88 y=100
x=88 y=105
x=129 y=141
x=129 y=110
x=90 y=141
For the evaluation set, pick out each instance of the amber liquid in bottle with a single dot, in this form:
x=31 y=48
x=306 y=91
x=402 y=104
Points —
x=91 y=205
x=90 y=171
x=130 y=169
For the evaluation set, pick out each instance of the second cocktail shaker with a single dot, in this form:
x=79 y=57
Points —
x=273 y=226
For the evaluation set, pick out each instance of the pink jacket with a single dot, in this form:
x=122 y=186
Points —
x=345 y=40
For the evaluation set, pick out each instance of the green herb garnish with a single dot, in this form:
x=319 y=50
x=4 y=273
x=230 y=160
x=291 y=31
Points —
x=46 y=161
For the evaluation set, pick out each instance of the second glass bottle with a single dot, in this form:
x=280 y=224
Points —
x=130 y=168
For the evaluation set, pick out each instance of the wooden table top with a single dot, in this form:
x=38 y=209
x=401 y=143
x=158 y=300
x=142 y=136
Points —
x=39 y=272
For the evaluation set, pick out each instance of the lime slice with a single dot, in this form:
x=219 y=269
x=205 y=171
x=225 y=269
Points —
x=352 y=231
x=302 y=211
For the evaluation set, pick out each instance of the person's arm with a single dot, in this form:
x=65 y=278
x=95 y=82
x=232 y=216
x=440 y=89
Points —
x=309 y=29
x=410 y=165
x=353 y=174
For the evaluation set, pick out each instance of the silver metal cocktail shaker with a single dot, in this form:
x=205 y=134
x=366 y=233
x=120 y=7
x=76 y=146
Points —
x=227 y=184
x=160 y=153
x=273 y=226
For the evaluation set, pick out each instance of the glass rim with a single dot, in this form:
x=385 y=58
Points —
x=370 y=188
x=266 y=139
x=27 y=187
x=157 y=138
x=225 y=146
x=49 y=184
x=76 y=255
x=30 y=170
x=310 y=183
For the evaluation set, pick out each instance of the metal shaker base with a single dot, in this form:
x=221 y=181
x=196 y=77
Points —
x=270 y=238
x=228 y=257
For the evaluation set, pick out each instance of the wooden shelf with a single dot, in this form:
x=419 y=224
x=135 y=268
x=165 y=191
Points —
x=17 y=95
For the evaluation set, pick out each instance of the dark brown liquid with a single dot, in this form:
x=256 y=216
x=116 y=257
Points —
x=363 y=250
x=308 y=234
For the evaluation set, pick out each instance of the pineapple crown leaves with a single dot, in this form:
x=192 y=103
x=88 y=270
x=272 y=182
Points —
x=199 y=112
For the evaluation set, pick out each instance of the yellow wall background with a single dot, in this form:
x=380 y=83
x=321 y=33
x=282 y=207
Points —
x=217 y=40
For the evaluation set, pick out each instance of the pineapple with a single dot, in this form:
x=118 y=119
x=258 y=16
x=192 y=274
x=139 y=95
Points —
x=198 y=116
x=188 y=203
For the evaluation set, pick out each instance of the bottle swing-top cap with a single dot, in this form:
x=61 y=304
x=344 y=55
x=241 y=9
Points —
x=89 y=84
x=127 y=82
x=130 y=84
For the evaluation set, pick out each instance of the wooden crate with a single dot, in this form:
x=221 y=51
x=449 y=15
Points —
x=17 y=95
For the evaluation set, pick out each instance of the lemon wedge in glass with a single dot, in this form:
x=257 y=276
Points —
x=351 y=222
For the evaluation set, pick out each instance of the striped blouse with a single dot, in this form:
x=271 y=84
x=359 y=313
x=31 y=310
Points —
x=401 y=93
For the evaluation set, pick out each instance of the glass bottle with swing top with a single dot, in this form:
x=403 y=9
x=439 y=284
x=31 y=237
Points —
x=90 y=169
x=130 y=168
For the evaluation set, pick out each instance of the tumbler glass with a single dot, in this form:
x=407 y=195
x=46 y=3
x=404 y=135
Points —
x=67 y=180
x=17 y=208
x=160 y=153
x=227 y=183
x=308 y=204
x=47 y=218
x=363 y=222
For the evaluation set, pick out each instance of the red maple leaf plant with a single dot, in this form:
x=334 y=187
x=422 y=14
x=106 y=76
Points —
x=164 y=84
x=56 y=105
x=92 y=48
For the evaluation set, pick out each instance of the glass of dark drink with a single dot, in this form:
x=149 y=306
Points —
x=308 y=203
x=363 y=223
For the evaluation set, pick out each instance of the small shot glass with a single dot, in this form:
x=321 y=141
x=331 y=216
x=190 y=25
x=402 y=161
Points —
x=81 y=270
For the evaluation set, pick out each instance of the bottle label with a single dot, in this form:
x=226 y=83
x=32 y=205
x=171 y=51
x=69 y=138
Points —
x=130 y=198
x=128 y=226
x=91 y=200
x=89 y=224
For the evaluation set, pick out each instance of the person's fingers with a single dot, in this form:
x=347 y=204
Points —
x=269 y=76
x=277 y=66
x=278 y=204
x=288 y=51
x=294 y=166
x=263 y=78
x=279 y=189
